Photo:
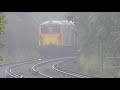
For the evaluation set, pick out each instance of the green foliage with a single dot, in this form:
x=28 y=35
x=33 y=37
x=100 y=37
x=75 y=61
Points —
x=99 y=36
x=98 y=31
x=1 y=45
x=92 y=65
x=1 y=58
x=2 y=22
x=2 y=26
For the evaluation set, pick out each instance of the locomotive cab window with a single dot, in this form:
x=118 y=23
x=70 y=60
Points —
x=51 y=29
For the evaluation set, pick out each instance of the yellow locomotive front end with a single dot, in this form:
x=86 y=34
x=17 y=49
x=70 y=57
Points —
x=51 y=39
x=56 y=38
x=50 y=34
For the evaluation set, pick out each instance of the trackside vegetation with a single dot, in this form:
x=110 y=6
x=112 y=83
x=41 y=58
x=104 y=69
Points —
x=99 y=40
x=2 y=26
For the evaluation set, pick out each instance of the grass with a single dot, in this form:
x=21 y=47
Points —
x=1 y=58
x=95 y=66
x=112 y=67
x=91 y=65
x=25 y=54
x=20 y=55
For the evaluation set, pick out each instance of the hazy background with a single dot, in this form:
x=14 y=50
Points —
x=21 y=33
x=98 y=38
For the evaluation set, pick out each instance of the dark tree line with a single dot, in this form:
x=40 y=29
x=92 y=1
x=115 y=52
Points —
x=99 y=32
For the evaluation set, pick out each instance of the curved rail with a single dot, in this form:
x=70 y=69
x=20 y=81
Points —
x=54 y=67
x=13 y=74
x=9 y=72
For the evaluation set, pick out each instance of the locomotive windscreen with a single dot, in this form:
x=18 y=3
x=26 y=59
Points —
x=50 y=29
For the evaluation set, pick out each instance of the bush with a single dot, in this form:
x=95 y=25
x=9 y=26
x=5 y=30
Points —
x=91 y=64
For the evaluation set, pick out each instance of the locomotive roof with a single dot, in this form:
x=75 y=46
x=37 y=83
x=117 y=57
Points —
x=58 y=22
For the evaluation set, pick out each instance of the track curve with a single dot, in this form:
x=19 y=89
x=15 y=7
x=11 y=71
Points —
x=10 y=73
x=59 y=69
x=53 y=65
x=59 y=60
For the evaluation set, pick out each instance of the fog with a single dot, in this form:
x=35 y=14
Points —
x=21 y=32
x=97 y=39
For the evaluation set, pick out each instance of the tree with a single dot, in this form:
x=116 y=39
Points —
x=2 y=26
x=98 y=31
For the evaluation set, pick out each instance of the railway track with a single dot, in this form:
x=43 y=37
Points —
x=39 y=64
x=55 y=68
x=60 y=69
x=60 y=73
x=10 y=73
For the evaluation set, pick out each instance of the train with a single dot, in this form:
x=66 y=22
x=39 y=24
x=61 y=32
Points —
x=57 y=37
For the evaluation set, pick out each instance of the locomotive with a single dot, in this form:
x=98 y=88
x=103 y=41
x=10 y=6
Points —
x=57 y=37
